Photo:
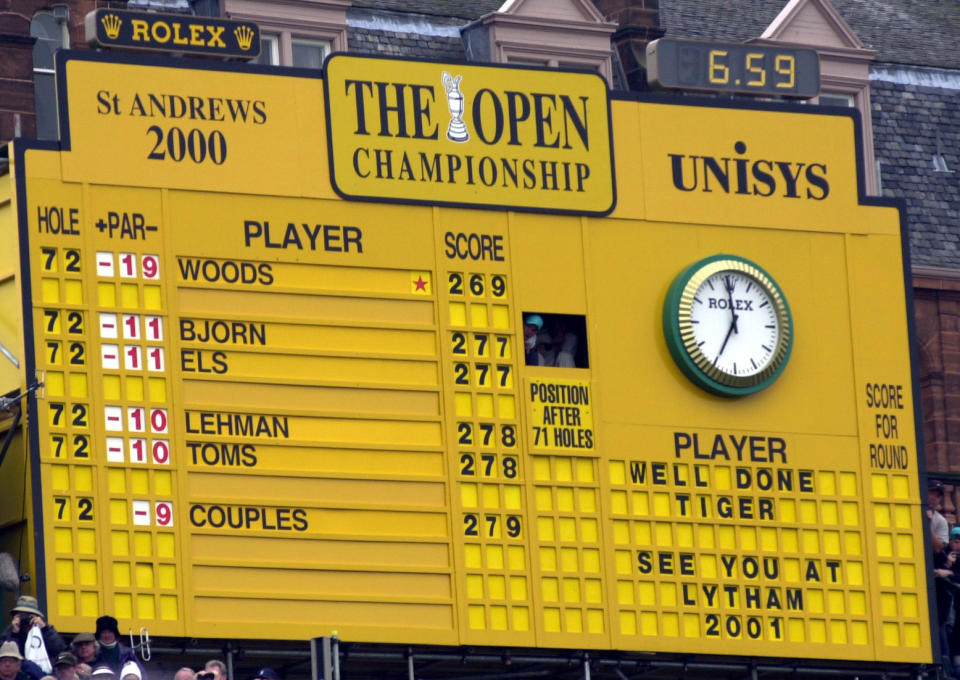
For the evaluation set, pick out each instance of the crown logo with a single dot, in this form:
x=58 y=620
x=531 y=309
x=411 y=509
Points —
x=111 y=24
x=244 y=36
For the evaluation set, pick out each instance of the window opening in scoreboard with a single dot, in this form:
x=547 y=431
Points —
x=558 y=340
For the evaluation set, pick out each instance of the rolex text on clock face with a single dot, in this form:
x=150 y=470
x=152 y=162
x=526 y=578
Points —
x=734 y=324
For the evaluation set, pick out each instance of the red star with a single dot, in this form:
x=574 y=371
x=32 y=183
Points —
x=421 y=284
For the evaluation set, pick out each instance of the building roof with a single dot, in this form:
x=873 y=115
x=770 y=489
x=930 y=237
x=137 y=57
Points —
x=468 y=10
x=915 y=32
x=912 y=125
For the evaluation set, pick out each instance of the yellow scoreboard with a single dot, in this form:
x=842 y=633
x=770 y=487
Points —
x=292 y=380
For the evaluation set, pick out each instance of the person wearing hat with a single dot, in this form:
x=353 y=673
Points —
x=131 y=671
x=86 y=648
x=266 y=674
x=103 y=672
x=11 y=662
x=532 y=325
x=65 y=666
x=26 y=614
x=112 y=651
x=938 y=523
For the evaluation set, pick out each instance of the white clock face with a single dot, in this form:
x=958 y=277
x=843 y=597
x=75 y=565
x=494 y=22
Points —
x=735 y=324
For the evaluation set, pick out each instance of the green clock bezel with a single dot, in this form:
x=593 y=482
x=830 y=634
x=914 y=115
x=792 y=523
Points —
x=678 y=331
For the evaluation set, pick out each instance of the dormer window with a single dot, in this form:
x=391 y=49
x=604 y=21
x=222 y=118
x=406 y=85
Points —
x=561 y=34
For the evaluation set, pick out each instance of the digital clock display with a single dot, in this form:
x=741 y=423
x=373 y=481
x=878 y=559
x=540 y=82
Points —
x=732 y=67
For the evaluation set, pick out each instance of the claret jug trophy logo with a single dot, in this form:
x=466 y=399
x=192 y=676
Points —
x=111 y=24
x=457 y=130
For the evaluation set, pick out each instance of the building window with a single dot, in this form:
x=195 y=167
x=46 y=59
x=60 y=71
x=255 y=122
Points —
x=299 y=33
x=558 y=34
x=309 y=53
x=49 y=28
x=269 y=51
x=835 y=99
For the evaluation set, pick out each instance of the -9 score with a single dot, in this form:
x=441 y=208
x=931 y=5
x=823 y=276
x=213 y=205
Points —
x=756 y=71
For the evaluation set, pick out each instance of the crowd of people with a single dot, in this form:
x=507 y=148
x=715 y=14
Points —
x=946 y=570
x=32 y=649
x=550 y=341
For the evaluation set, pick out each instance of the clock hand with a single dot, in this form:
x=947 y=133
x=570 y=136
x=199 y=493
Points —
x=729 y=287
x=733 y=327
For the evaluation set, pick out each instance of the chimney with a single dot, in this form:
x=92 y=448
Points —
x=638 y=23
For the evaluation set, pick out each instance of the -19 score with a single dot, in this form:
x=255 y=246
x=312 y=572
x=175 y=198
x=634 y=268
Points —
x=784 y=65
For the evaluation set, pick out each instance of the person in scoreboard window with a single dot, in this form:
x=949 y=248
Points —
x=532 y=325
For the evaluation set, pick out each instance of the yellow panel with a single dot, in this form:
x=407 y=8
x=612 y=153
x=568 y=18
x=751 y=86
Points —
x=54 y=384
x=152 y=297
x=88 y=573
x=50 y=290
x=123 y=605
x=142 y=544
x=118 y=512
x=169 y=609
x=78 y=385
x=87 y=542
x=464 y=404
x=65 y=572
x=120 y=543
x=66 y=603
x=60 y=477
x=134 y=388
x=146 y=606
x=517 y=560
x=89 y=604
x=73 y=292
x=144 y=576
x=158 y=389
x=83 y=478
x=121 y=574
x=111 y=387
x=106 y=294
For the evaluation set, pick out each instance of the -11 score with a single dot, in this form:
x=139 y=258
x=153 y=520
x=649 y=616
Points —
x=784 y=65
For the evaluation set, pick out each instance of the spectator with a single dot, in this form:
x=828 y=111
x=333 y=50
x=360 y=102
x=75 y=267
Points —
x=938 y=523
x=559 y=345
x=103 y=672
x=112 y=651
x=184 y=674
x=64 y=667
x=84 y=671
x=131 y=671
x=11 y=661
x=532 y=325
x=266 y=674
x=26 y=614
x=85 y=648
x=218 y=668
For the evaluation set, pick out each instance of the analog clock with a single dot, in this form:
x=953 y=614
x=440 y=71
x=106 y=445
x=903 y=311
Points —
x=728 y=325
